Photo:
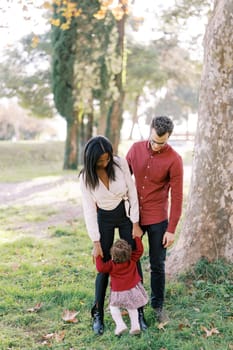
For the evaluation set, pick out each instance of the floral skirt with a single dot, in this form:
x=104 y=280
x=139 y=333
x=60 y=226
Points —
x=129 y=299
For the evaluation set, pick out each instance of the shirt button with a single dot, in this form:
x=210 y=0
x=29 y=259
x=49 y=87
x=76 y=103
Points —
x=145 y=177
x=143 y=187
x=148 y=166
x=141 y=197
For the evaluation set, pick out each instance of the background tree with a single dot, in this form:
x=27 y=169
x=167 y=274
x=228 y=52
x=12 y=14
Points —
x=85 y=66
x=64 y=47
x=208 y=224
x=24 y=73
x=143 y=71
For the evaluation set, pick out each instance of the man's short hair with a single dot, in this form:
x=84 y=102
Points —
x=162 y=125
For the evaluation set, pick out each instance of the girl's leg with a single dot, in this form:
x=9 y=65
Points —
x=117 y=317
x=135 y=326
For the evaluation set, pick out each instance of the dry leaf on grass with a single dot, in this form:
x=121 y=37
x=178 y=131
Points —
x=209 y=333
x=162 y=325
x=57 y=336
x=69 y=316
x=124 y=312
x=36 y=308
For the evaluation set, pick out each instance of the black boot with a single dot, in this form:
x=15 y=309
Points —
x=141 y=319
x=98 y=322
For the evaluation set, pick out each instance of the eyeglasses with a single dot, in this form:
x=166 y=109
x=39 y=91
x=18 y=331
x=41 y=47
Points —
x=153 y=142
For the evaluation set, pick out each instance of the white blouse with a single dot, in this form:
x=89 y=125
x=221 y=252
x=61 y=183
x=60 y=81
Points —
x=108 y=199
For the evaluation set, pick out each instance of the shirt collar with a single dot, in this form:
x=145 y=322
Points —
x=163 y=149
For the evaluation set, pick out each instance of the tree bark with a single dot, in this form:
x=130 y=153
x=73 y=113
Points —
x=71 y=145
x=114 y=118
x=135 y=116
x=208 y=225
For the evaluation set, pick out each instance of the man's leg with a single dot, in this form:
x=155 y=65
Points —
x=157 y=255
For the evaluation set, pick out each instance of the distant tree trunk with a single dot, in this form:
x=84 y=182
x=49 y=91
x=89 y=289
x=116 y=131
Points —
x=135 y=116
x=102 y=122
x=71 y=145
x=114 y=119
x=208 y=225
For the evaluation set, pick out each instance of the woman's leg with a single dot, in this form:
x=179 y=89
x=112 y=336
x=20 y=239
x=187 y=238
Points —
x=106 y=228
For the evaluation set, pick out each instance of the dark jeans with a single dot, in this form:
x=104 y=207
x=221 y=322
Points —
x=157 y=255
x=108 y=220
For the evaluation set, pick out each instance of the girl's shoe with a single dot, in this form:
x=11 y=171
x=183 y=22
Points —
x=135 y=331
x=120 y=331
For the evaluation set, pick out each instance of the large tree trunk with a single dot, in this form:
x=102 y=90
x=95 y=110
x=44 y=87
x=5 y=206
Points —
x=208 y=225
x=71 y=145
x=114 y=118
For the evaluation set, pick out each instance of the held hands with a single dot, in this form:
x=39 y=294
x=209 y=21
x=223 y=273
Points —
x=137 y=231
x=168 y=239
x=97 y=250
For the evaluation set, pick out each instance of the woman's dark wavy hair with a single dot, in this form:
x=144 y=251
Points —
x=93 y=150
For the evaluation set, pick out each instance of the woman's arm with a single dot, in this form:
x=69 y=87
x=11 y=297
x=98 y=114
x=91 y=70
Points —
x=90 y=212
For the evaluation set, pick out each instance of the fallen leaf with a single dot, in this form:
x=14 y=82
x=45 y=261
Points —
x=36 y=308
x=124 y=312
x=49 y=336
x=210 y=332
x=183 y=325
x=57 y=336
x=196 y=309
x=69 y=316
x=162 y=325
x=60 y=336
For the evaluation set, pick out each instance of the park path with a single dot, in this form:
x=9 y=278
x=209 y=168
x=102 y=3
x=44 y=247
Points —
x=58 y=194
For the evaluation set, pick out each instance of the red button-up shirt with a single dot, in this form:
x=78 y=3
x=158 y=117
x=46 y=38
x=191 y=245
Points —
x=158 y=175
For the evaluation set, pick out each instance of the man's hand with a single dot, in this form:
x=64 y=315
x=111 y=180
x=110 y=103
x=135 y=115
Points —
x=168 y=239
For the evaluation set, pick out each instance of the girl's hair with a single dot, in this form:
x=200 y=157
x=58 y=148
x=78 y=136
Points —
x=121 y=251
x=93 y=150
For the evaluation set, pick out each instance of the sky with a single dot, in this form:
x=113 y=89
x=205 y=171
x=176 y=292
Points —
x=15 y=22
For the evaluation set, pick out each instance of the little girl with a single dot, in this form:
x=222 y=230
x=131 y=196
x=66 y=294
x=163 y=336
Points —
x=127 y=290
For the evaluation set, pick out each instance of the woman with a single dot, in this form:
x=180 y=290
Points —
x=109 y=200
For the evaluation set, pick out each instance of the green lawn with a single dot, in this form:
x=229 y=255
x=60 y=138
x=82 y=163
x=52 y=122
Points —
x=41 y=277
x=57 y=273
x=20 y=161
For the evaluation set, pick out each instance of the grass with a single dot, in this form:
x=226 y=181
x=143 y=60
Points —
x=56 y=272
x=22 y=161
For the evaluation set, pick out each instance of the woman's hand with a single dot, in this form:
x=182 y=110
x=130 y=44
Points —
x=97 y=250
x=137 y=231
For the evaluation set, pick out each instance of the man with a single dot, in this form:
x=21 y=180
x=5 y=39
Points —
x=158 y=172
